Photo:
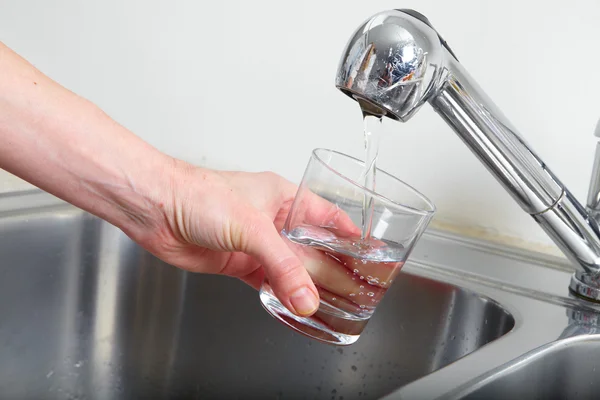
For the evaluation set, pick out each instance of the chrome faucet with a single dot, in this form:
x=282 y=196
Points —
x=396 y=61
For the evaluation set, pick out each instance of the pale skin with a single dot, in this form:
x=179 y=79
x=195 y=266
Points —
x=194 y=218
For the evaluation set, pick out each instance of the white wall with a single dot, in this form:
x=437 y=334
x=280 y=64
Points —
x=249 y=85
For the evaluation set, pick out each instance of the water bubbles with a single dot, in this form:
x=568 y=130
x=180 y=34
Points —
x=370 y=294
x=352 y=294
x=360 y=293
x=361 y=286
x=362 y=277
x=333 y=299
x=373 y=281
x=356 y=271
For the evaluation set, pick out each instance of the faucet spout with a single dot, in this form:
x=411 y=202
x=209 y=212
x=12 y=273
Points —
x=398 y=62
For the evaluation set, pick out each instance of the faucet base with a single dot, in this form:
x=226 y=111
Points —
x=584 y=286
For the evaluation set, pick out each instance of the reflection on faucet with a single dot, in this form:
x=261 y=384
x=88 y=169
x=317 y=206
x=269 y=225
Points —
x=410 y=64
x=581 y=322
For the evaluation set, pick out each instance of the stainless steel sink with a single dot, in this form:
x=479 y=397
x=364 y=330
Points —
x=566 y=369
x=85 y=313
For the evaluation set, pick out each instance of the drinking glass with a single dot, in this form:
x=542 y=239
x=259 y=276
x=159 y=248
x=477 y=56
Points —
x=352 y=271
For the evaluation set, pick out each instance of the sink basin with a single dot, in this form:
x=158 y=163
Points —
x=566 y=369
x=84 y=312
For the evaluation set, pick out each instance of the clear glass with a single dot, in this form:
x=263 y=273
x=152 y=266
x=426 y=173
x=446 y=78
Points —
x=352 y=274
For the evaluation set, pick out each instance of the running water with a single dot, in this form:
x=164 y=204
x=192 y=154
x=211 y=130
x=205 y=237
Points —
x=372 y=129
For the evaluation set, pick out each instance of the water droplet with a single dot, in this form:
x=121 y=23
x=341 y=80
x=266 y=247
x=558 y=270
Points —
x=362 y=306
x=49 y=374
x=352 y=294
x=373 y=300
x=361 y=286
x=356 y=271
x=360 y=293
x=364 y=261
x=78 y=364
x=333 y=299
x=370 y=294
x=362 y=277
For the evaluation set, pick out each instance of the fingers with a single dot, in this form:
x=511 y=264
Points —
x=287 y=276
x=312 y=209
x=338 y=278
x=315 y=210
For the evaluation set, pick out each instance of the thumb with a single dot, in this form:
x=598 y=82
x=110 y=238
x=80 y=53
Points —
x=286 y=274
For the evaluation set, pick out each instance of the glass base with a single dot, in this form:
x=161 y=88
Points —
x=314 y=326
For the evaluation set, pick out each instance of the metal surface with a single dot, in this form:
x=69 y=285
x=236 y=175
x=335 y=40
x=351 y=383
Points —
x=593 y=200
x=396 y=62
x=86 y=313
x=569 y=369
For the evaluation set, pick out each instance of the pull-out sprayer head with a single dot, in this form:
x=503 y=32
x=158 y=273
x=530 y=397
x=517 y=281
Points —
x=392 y=63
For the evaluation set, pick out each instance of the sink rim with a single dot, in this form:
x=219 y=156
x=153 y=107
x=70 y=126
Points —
x=522 y=361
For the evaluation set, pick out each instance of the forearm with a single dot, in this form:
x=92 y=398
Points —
x=65 y=145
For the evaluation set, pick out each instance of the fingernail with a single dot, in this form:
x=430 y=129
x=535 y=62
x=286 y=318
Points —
x=304 y=301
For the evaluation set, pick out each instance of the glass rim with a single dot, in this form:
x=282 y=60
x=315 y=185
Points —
x=372 y=192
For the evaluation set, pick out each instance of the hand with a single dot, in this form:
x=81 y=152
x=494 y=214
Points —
x=229 y=222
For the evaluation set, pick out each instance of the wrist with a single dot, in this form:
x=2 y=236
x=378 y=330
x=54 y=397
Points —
x=152 y=198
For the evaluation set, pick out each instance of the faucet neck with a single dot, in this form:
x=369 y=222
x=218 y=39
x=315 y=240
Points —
x=490 y=136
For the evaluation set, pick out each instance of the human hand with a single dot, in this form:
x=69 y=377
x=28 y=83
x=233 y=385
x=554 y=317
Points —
x=229 y=222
